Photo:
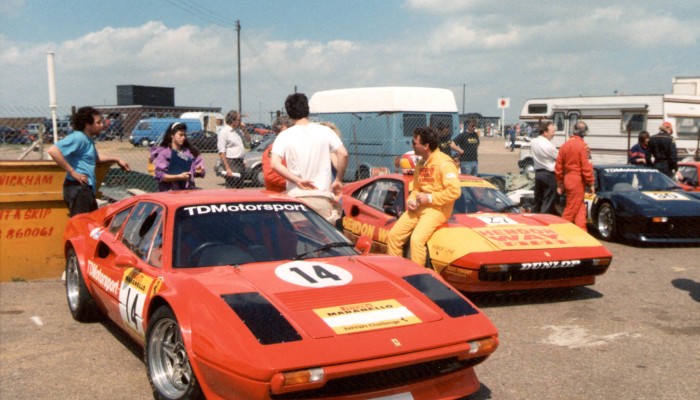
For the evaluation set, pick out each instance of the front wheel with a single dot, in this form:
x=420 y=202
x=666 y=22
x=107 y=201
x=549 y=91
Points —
x=606 y=222
x=258 y=176
x=145 y=142
x=80 y=302
x=168 y=366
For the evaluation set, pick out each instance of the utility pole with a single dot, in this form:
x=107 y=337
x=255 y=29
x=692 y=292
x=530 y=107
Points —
x=238 y=33
x=464 y=94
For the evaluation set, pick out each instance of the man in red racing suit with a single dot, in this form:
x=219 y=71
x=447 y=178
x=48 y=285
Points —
x=574 y=173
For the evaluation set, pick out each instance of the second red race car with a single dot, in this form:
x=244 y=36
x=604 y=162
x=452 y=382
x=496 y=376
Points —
x=487 y=244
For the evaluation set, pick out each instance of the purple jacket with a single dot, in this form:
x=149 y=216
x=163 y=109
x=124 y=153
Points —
x=161 y=160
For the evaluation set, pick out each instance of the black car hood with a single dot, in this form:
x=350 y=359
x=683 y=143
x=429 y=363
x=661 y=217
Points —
x=662 y=203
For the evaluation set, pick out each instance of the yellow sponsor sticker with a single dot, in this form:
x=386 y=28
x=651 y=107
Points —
x=523 y=237
x=366 y=316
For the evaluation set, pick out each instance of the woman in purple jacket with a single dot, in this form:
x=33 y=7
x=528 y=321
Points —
x=176 y=161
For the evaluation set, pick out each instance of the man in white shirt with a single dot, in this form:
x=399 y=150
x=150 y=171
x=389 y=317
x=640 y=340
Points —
x=306 y=148
x=230 y=147
x=544 y=156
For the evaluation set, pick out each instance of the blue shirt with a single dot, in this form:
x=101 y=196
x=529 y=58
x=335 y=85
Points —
x=79 y=151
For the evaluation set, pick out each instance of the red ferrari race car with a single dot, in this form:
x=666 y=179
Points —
x=487 y=244
x=243 y=294
x=688 y=175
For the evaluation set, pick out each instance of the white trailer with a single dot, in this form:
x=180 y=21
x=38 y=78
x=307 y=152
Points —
x=614 y=122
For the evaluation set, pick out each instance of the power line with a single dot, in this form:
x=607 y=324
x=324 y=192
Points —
x=200 y=12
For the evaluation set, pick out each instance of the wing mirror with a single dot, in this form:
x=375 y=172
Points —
x=125 y=260
x=364 y=244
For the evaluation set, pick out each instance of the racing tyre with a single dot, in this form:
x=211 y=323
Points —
x=258 y=176
x=169 y=371
x=362 y=173
x=606 y=222
x=80 y=302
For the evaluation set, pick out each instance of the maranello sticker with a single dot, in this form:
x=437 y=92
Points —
x=313 y=274
x=666 y=196
x=367 y=316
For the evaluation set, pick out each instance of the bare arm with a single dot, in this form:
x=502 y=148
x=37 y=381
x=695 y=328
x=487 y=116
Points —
x=57 y=156
x=280 y=168
x=341 y=154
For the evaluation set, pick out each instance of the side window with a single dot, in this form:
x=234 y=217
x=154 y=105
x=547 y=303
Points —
x=687 y=127
x=558 y=119
x=142 y=228
x=363 y=193
x=387 y=195
x=441 y=120
x=118 y=220
x=636 y=121
x=573 y=119
x=411 y=122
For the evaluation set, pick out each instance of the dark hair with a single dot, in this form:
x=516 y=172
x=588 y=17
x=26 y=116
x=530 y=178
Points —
x=544 y=125
x=83 y=117
x=171 y=131
x=428 y=135
x=297 y=106
x=642 y=136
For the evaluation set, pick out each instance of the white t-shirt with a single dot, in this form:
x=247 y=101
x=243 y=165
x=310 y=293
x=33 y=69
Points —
x=307 y=151
x=229 y=141
x=544 y=153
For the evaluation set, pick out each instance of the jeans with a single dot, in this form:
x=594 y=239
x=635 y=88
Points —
x=79 y=198
x=469 y=167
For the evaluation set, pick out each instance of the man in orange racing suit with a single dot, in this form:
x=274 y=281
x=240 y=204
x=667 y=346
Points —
x=574 y=173
x=435 y=189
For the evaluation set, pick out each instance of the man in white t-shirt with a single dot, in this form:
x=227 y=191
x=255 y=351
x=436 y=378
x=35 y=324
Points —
x=544 y=156
x=306 y=148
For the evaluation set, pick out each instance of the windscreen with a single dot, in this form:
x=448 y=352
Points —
x=642 y=179
x=238 y=233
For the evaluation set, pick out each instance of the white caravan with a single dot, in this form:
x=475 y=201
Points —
x=211 y=121
x=614 y=122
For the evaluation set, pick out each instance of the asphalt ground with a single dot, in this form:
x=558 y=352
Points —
x=635 y=334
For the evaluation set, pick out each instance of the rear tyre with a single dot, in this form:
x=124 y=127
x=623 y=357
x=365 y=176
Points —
x=145 y=142
x=362 y=173
x=168 y=366
x=80 y=302
x=606 y=222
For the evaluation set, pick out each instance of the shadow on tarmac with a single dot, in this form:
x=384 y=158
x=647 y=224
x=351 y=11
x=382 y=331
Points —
x=532 y=296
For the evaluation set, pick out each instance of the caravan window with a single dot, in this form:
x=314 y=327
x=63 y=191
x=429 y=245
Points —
x=537 y=109
x=413 y=121
x=637 y=121
x=687 y=127
x=558 y=119
x=573 y=119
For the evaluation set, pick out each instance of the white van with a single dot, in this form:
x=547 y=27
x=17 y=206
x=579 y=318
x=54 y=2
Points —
x=377 y=123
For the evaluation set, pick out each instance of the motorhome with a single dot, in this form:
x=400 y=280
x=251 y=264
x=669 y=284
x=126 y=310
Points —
x=211 y=121
x=614 y=122
x=377 y=123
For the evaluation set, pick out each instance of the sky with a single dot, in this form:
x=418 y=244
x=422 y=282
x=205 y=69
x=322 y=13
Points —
x=482 y=50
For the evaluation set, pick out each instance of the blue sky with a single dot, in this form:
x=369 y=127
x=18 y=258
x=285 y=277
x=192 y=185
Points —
x=507 y=48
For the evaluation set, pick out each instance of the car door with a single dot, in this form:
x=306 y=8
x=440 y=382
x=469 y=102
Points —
x=134 y=260
x=374 y=210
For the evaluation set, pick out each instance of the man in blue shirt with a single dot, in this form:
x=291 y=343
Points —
x=76 y=153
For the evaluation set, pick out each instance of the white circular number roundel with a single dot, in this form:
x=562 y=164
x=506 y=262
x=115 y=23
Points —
x=313 y=274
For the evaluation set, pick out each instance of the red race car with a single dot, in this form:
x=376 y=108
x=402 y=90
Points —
x=487 y=245
x=688 y=175
x=240 y=294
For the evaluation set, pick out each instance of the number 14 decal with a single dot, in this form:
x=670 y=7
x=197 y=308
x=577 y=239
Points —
x=317 y=275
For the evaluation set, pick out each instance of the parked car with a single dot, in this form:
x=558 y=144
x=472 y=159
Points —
x=11 y=135
x=241 y=294
x=642 y=205
x=688 y=175
x=252 y=162
x=487 y=244
x=204 y=141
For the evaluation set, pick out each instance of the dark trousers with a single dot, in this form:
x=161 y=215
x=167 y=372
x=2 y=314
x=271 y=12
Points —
x=545 y=192
x=236 y=165
x=79 y=198
x=663 y=167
